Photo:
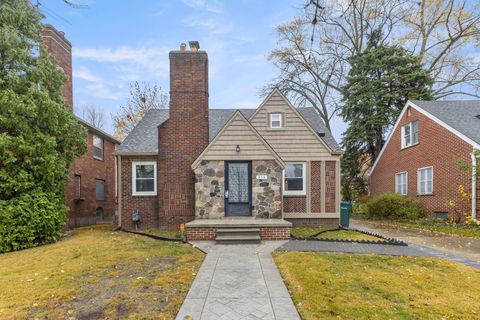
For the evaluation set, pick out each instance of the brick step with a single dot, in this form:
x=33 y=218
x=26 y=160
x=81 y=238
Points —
x=237 y=238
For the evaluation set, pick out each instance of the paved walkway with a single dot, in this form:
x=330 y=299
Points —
x=464 y=247
x=238 y=282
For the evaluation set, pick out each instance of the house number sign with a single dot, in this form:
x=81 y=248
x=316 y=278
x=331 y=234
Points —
x=262 y=177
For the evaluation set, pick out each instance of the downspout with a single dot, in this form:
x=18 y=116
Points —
x=474 y=185
x=119 y=189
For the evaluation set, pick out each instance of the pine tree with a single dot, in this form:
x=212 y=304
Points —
x=39 y=135
x=380 y=82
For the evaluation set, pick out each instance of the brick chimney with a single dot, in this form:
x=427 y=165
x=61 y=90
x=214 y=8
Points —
x=184 y=136
x=61 y=49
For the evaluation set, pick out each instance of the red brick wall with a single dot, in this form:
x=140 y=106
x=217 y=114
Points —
x=294 y=204
x=437 y=147
x=183 y=137
x=201 y=233
x=314 y=222
x=266 y=233
x=82 y=212
x=316 y=186
x=61 y=49
x=147 y=206
x=330 y=186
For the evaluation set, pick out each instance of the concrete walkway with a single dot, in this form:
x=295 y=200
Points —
x=467 y=248
x=238 y=282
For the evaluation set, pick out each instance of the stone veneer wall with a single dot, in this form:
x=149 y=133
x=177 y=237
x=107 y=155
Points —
x=210 y=187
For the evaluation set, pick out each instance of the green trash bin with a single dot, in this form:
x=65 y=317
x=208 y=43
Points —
x=345 y=209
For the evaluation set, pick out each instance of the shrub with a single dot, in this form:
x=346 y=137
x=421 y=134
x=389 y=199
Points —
x=30 y=220
x=394 y=206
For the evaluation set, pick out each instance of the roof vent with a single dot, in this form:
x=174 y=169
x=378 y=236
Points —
x=321 y=134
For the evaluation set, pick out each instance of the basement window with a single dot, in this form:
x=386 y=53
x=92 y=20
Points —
x=295 y=181
x=144 y=178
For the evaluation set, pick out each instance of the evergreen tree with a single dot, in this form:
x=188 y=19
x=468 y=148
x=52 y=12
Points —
x=381 y=80
x=39 y=135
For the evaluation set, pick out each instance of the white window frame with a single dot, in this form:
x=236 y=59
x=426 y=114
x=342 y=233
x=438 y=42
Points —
x=279 y=120
x=93 y=146
x=397 y=175
x=424 y=182
x=134 y=178
x=410 y=136
x=304 y=177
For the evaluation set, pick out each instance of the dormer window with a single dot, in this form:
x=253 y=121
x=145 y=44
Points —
x=275 y=120
x=410 y=134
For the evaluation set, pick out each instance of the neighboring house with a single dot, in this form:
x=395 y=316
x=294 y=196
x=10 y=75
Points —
x=423 y=155
x=90 y=194
x=265 y=165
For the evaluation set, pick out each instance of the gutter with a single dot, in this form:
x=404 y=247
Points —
x=474 y=185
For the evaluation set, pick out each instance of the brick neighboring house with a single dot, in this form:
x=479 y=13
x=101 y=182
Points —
x=421 y=156
x=90 y=193
x=224 y=168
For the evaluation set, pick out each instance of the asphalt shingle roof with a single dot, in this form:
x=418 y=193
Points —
x=462 y=115
x=144 y=137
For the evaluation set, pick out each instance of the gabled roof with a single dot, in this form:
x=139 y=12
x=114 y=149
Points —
x=144 y=137
x=248 y=125
x=461 y=117
x=97 y=131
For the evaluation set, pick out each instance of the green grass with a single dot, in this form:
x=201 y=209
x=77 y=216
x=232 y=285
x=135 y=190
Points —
x=429 y=224
x=97 y=274
x=336 y=234
x=171 y=234
x=350 y=286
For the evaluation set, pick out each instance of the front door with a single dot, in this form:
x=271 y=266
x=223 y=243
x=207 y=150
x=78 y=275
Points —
x=238 y=188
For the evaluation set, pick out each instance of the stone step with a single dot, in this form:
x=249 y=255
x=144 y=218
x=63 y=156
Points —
x=238 y=230
x=237 y=238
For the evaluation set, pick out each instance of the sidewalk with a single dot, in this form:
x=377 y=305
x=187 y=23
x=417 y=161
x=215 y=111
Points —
x=467 y=248
x=238 y=282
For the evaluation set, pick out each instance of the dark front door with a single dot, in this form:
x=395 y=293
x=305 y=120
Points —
x=238 y=188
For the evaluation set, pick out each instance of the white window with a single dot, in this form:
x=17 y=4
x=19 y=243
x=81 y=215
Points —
x=410 y=134
x=425 y=180
x=144 y=178
x=294 y=179
x=97 y=147
x=401 y=183
x=275 y=120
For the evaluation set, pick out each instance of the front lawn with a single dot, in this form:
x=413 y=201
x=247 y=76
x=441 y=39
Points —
x=429 y=224
x=354 y=286
x=334 y=234
x=97 y=274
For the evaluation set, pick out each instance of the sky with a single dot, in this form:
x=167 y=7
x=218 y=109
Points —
x=118 y=42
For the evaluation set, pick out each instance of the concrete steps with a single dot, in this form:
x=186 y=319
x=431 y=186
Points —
x=236 y=235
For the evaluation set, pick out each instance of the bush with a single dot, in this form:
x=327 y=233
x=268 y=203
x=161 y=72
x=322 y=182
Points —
x=30 y=220
x=394 y=206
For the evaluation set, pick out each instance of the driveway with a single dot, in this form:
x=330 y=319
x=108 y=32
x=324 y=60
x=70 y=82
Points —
x=464 y=247
x=238 y=282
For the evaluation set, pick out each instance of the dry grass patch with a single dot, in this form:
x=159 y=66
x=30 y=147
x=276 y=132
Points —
x=97 y=274
x=353 y=286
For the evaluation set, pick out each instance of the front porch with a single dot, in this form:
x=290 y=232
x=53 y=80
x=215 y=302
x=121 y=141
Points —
x=238 y=229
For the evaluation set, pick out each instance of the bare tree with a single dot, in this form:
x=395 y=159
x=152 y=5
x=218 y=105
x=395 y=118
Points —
x=94 y=116
x=143 y=97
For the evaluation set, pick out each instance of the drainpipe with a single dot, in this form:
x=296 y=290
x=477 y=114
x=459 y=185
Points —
x=119 y=189
x=474 y=185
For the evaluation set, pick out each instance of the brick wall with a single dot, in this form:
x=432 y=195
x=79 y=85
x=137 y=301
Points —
x=316 y=186
x=275 y=233
x=183 y=137
x=330 y=186
x=209 y=233
x=147 y=206
x=294 y=204
x=61 y=49
x=437 y=147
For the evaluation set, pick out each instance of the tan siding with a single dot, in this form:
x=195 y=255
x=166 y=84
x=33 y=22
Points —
x=238 y=133
x=295 y=141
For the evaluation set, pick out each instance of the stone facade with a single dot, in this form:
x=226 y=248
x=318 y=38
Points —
x=210 y=187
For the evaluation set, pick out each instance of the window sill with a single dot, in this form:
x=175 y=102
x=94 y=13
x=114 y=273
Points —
x=276 y=129
x=79 y=199
x=294 y=195
x=97 y=158
x=425 y=194
x=151 y=194
x=410 y=146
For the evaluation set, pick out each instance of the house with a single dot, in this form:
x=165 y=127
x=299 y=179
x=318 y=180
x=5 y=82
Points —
x=423 y=155
x=263 y=169
x=90 y=193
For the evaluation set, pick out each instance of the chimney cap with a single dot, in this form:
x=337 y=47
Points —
x=194 y=45
x=183 y=47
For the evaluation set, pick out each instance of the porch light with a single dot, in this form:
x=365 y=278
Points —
x=238 y=148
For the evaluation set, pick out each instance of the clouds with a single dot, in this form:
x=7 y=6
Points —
x=205 y=5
